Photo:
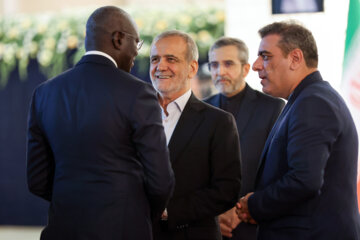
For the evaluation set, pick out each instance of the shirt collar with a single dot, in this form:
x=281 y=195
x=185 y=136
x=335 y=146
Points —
x=182 y=100
x=94 y=52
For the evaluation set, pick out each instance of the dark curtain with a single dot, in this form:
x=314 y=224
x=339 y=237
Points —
x=17 y=205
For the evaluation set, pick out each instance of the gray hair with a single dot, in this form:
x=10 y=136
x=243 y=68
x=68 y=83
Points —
x=192 y=52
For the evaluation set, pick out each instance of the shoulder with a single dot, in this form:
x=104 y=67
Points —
x=212 y=99
x=212 y=113
x=267 y=99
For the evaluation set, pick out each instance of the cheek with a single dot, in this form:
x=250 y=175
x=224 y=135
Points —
x=152 y=69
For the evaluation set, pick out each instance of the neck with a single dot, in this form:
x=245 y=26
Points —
x=166 y=98
x=300 y=78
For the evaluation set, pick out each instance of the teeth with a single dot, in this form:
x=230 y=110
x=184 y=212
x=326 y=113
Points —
x=163 y=77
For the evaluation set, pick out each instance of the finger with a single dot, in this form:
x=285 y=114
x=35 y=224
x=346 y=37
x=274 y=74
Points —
x=225 y=228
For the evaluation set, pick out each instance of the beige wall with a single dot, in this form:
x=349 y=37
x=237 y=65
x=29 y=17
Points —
x=9 y=7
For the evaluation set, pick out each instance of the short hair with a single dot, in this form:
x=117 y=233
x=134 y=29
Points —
x=192 y=52
x=243 y=51
x=292 y=36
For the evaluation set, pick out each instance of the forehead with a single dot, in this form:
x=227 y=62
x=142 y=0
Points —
x=224 y=53
x=270 y=43
x=173 y=45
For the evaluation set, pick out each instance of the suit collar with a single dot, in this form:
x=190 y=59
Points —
x=189 y=121
x=94 y=52
x=308 y=80
x=246 y=109
x=95 y=59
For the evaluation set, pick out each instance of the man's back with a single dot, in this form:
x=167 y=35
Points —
x=103 y=129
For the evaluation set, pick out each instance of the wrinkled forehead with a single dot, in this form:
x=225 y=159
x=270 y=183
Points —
x=172 y=45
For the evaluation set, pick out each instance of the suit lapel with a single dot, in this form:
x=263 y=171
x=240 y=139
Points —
x=246 y=110
x=310 y=79
x=189 y=121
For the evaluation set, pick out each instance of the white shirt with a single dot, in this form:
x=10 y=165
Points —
x=174 y=110
x=101 y=54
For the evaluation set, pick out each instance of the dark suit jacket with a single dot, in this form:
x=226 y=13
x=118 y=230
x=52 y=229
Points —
x=306 y=185
x=97 y=152
x=254 y=119
x=205 y=156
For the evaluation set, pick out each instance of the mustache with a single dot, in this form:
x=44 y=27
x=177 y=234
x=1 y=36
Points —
x=222 y=79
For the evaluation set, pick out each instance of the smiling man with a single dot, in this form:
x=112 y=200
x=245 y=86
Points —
x=254 y=112
x=306 y=183
x=203 y=143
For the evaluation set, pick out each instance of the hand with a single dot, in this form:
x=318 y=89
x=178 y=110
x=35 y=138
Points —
x=242 y=209
x=164 y=215
x=228 y=222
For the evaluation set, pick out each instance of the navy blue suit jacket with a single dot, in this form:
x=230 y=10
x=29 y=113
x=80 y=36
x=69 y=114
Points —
x=306 y=184
x=254 y=119
x=97 y=152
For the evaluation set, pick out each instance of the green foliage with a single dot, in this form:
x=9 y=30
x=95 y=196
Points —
x=47 y=38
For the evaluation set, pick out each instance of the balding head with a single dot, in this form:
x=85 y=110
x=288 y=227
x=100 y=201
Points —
x=103 y=21
x=111 y=30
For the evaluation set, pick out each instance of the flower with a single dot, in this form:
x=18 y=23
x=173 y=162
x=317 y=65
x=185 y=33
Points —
x=13 y=33
x=72 y=42
x=48 y=37
x=49 y=43
x=41 y=28
x=161 y=25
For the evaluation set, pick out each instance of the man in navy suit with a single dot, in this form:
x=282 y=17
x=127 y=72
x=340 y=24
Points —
x=306 y=183
x=255 y=114
x=203 y=143
x=96 y=145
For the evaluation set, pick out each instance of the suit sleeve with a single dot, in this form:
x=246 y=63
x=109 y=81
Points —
x=40 y=161
x=150 y=141
x=223 y=189
x=313 y=127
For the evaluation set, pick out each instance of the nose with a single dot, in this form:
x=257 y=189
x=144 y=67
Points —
x=257 y=65
x=161 y=65
x=220 y=70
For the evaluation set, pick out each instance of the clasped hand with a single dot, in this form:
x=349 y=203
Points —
x=242 y=209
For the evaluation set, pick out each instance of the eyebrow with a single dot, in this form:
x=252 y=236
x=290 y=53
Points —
x=260 y=53
x=167 y=56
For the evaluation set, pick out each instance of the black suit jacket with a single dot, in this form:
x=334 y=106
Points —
x=205 y=156
x=254 y=119
x=97 y=152
x=306 y=184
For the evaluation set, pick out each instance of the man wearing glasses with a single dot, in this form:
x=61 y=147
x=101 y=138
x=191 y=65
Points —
x=254 y=112
x=96 y=145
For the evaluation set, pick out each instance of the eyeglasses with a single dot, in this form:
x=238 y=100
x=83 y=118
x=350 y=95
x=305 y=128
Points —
x=139 y=42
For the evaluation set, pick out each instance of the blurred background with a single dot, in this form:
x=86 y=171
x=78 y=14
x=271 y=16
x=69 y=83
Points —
x=39 y=39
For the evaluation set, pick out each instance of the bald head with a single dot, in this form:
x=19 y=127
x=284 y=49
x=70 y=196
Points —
x=104 y=21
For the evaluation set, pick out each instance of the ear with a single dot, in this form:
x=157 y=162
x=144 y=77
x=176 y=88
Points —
x=246 y=69
x=117 y=40
x=194 y=66
x=297 y=58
